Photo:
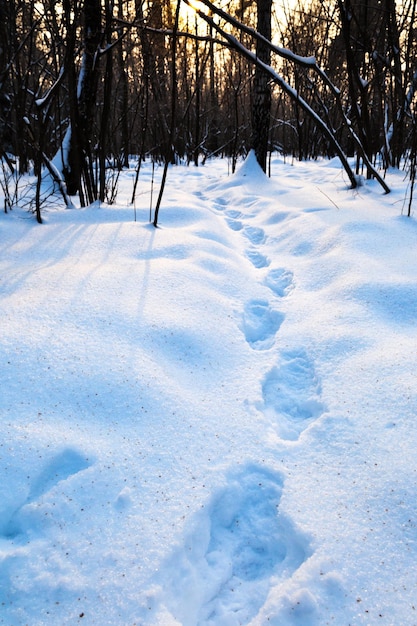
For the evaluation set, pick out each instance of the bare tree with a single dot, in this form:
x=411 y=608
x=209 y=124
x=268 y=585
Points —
x=77 y=154
x=5 y=50
x=108 y=76
x=261 y=107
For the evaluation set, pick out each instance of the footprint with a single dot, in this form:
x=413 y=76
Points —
x=233 y=214
x=255 y=234
x=220 y=203
x=257 y=259
x=260 y=323
x=234 y=224
x=292 y=394
x=66 y=464
x=280 y=281
x=239 y=544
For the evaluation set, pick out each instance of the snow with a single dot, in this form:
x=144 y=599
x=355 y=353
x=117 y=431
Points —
x=212 y=422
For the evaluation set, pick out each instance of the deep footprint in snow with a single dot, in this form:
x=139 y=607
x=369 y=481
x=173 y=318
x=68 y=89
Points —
x=291 y=394
x=220 y=203
x=234 y=224
x=260 y=324
x=239 y=543
x=64 y=465
x=257 y=259
x=255 y=234
x=233 y=214
x=280 y=281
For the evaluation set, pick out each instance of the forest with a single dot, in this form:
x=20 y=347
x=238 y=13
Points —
x=84 y=84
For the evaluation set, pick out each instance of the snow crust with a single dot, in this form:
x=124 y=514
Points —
x=212 y=422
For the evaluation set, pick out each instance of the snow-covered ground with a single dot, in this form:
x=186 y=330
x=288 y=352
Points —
x=213 y=422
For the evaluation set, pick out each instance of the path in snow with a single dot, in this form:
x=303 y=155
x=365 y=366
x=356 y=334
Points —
x=241 y=545
x=290 y=390
x=291 y=397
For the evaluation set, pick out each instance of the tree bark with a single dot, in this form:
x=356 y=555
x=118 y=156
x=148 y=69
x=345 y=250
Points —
x=5 y=102
x=78 y=169
x=169 y=150
x=261 y=106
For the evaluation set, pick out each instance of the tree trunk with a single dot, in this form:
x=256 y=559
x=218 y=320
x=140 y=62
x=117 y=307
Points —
x=78 y=168
x=261 y=107
x=124 y=84
x=105 y=115
x=5 y=101
x=169 y=150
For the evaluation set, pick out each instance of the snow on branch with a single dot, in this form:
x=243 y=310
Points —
x=276 y=78
x=42 y=102
x=309 y=62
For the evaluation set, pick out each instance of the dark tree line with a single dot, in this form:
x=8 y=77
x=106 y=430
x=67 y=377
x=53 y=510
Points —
x=368 y=49
x=86 y=83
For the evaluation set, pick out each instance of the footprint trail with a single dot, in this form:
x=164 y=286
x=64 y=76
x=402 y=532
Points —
x=241 y=544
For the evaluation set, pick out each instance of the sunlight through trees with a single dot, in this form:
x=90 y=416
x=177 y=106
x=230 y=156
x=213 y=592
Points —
x=85 y=84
